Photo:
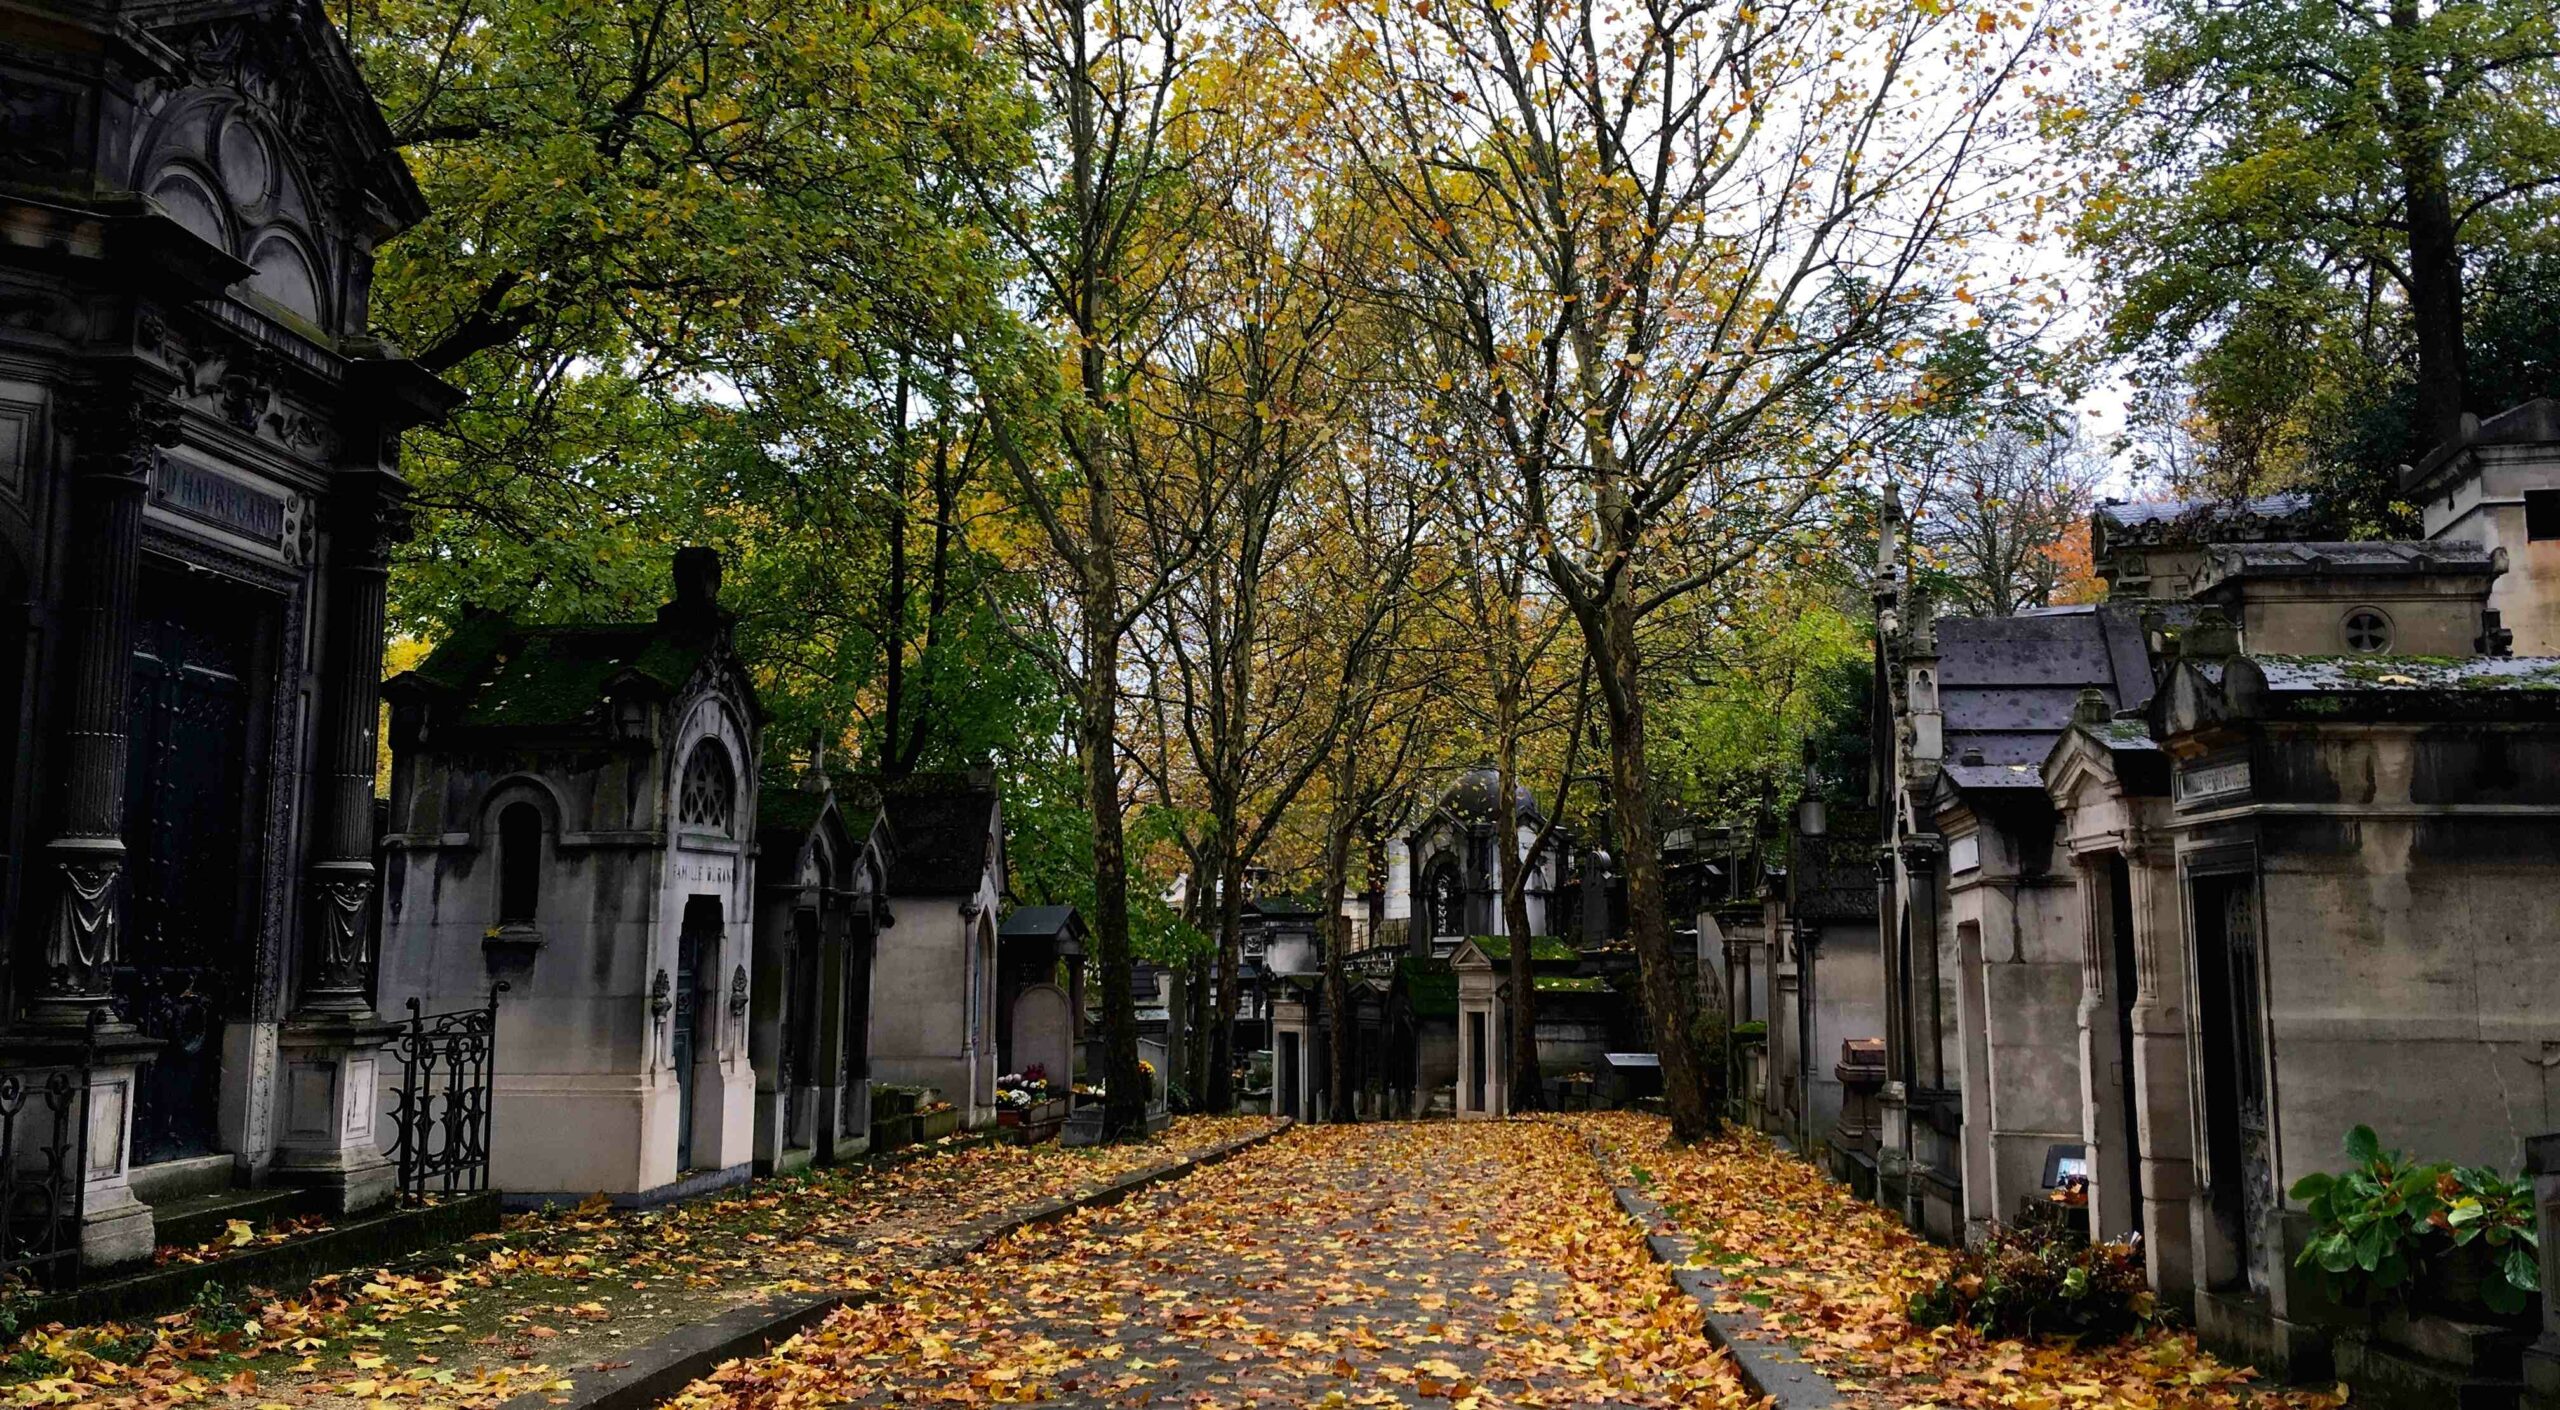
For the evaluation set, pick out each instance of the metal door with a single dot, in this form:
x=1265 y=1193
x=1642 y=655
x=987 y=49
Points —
x=2249 y=1073
x=189 y=828
x=799 y=1021
x=687 y=986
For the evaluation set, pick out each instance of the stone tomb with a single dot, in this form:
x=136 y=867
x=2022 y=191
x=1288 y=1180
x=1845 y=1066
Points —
x=198 y=495
x=572 y=813
x=933 y=1014
x=820 y=903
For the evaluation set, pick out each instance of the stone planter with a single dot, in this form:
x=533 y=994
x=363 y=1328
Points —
x=890 y=1132
x=934 y=1125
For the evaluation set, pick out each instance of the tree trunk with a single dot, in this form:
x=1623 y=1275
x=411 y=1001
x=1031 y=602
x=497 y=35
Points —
x=1341 y=825
x=2435 y=253
x=1523 y=1055
x=1688 y=1091
x=1125 y=1105
x=1221 y=1089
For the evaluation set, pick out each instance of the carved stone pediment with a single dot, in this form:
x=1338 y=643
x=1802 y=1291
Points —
x=264 y=143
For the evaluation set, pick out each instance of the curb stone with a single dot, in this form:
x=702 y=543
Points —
x=660 y=1369
x=1770 y=1368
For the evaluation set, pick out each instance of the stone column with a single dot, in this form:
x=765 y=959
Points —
x=338 y=955
x=330 y=1049
x=2103 y=1085
x=2161 y=1083
x=119 y=431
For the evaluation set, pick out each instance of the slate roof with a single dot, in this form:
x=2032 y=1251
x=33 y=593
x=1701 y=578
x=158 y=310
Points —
x=2007 y=685
x=2116 y=524
x=1039 y=922
x=943 y=827
x=2376 y=558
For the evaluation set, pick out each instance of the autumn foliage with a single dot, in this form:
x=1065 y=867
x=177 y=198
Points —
x=1837 y=1275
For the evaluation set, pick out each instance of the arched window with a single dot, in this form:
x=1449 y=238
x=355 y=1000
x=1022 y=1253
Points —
x=708 y=797
x=519 y=863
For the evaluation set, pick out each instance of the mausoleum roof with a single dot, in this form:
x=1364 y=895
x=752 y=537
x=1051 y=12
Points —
x=1476 y=795
x=2206 y=520
x=945 y=827
x=2351 y=690
x=1039 y=922
x=2536 y=422
x=2329 y=559
x=1430 y=987
x=494 y=673
x=2007 y=686
x=1543 y=949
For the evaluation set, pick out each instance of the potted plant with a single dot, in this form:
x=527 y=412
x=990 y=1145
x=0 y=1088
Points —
x=2393 y=1232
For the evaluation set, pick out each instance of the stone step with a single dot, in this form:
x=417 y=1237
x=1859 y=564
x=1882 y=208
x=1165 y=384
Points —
x=173 y=1180
x=197 y=1219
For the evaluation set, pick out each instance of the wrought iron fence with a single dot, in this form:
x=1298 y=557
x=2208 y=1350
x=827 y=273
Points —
x=44 y=1155
x=441 y=1117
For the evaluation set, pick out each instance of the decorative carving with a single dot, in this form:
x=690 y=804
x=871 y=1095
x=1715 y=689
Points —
x=81 y=943
x=293 y=92
x=662 y=997
x=364 y=529
x=738 y=993
x=121 y=432
x=707 y=797
x=342 y=947
x=247 y=391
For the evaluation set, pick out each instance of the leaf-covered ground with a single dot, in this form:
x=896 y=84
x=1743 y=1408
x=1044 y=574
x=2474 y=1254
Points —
x=1832 y=1273
x=561 y=1290
x=1481 y=1265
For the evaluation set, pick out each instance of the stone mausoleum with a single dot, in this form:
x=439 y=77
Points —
x=574 y=814
x=2183 y=885
x=199 y=489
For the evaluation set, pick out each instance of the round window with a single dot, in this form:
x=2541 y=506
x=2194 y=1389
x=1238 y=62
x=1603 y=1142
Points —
x=2368 y=630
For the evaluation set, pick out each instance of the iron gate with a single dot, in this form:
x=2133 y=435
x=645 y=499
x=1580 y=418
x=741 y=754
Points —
x=441 y=1117
x=41 y=1186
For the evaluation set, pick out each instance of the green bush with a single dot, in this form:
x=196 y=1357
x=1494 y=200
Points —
x=2041 y=1279
x=2390 y=1223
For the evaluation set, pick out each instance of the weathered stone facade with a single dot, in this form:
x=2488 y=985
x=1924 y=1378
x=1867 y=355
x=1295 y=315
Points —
x=2186 y=888
x=573 y=812
x=198 y=493
x=821 y=896
x=933 y=1015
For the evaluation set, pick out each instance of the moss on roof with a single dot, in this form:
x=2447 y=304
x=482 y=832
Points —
x=788 y=809
x=1431 y=990
x=1543 y=949
x=510 y=676
x=1569 y=984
